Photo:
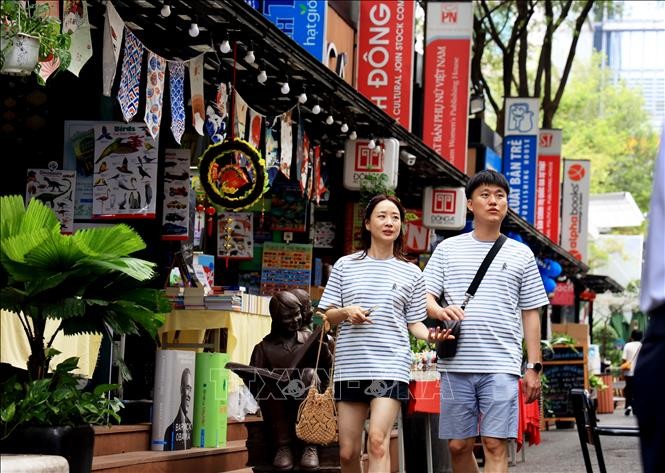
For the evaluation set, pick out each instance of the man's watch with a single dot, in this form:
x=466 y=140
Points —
x=537 y=366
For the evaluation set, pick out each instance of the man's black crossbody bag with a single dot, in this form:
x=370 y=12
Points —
x=448 y=348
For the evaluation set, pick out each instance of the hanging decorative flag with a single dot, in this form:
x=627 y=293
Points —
x=272 y=148
x=319 y=185
x=196 y=91
x=128 y=93
x=154 y=93
x=286 y=144
x=255 y=127
x=305 y=181
x=221 y=100
x=239 y=116
x=299 y=152
x=75 y=21
x=176 y=86
x=113 y=28
x=215 y=126
x=49 y=65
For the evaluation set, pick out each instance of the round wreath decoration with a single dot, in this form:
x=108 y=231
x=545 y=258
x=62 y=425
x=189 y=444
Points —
x=227 y=180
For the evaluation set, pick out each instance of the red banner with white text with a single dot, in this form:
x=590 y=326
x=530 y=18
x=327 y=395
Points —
x=548 y=184
x=385 y=56
x=446 y=80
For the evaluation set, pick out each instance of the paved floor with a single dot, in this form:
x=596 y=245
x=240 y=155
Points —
x=559 y=450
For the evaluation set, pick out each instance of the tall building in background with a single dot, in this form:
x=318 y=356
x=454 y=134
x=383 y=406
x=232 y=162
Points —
x=627 y=40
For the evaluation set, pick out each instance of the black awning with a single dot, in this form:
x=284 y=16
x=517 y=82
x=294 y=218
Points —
x=599 y=284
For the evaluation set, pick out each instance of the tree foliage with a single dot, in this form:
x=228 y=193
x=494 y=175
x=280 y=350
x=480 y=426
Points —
x=607 y=123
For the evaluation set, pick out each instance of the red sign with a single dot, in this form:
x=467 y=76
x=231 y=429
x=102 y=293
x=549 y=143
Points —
x=385 y=56
x=548 y=184
x=368 y=160
x=416 y=235
x=444 y=201
x=564 y=294
x=446 y=80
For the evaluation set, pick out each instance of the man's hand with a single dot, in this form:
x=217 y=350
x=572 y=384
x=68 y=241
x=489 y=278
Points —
x=531 y=386
x=451 y=312
x=437 y=334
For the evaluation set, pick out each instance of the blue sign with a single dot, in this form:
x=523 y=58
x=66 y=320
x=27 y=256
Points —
x=492 y=160
x=304 y=21
x=519 y=167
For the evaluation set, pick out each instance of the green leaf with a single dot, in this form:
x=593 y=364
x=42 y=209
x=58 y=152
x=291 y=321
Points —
x=115 y=241
x=7 y=414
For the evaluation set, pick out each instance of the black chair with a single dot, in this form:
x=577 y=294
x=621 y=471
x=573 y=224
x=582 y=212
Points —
x=589 y=431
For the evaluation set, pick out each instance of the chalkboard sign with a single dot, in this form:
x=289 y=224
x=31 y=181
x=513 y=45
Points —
x=565 y=368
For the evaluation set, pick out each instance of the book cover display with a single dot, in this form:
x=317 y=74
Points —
x=173 y=400
x=211 y=400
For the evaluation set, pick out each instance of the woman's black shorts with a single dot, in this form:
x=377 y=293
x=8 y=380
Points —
x=364 y=390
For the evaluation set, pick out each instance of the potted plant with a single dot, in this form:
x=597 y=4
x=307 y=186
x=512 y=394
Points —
x=87 y=281
x=28 y=35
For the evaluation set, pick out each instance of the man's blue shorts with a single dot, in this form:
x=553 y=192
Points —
x=478 y=403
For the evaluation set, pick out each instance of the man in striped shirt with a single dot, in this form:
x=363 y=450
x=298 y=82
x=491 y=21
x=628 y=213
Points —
x=479 y=385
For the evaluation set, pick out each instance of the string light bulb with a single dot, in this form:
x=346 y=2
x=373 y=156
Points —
x=225 y=47
x=316 y=109
x=166 y=10
x=262 y=76
x=302 y=98
x=249 y=57
x=371 y=144
x=330 y=120
x=285 y=87
x=353 y=135
x=194 y=29
x=344 y=128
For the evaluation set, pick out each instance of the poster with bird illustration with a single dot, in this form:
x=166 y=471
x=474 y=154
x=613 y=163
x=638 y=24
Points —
x=55 y=188
x=125 y=172
x=175 y=213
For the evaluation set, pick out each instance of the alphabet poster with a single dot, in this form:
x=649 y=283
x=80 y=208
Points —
x=125 y=172
x=285 y=266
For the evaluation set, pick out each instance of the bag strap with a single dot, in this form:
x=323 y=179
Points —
x=318 y=355
x=480 y=274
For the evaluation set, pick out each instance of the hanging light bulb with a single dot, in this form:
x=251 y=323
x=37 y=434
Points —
x=166 y=10
x=316 y=109
x=249 y=57
x=344 y=128
x=330 y=120
x=194 y=29
x=302 y=98
x=285 y=87
x=225 y=46
x=371 y=144
x=262 y=76
x=353 y=135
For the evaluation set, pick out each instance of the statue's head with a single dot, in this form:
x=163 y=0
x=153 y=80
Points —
x=305 y=305
x=285 y=311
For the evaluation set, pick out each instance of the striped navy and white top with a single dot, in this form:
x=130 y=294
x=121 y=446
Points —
x=491 y=334
x=380 y=350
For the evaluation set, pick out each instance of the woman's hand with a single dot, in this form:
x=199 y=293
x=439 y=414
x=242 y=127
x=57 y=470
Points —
x=438 y=334
x=451 y=312
x=357 y=315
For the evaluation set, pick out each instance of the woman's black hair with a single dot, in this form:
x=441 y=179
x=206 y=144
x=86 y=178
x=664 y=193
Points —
x=486 y=177
x=398 y=245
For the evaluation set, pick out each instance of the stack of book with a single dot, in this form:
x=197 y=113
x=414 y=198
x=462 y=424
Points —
x=254 y=304
x=224 y=299
x=193 y=298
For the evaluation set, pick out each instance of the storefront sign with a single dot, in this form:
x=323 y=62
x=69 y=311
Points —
x=564 y=294
x=385 y=56
x=446 y=77
x=575 y=207
x=340 y=44
x=520 y=151
x=304 y=21
x=548 y=180
x=519 y=167
x=444 y=208
x=361 y=162
x=416 y=235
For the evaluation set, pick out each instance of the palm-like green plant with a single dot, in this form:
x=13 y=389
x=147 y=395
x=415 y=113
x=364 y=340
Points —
x=87 y=280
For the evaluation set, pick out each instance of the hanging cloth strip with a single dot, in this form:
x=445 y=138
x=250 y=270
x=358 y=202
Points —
x=176 y=90
x=113 y=29
x=75 y=20
x=154 y=93
x=128 y=94
x=286 y=144
x=196 y=93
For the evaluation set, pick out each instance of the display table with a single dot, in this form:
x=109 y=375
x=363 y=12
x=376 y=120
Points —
x=244 y=332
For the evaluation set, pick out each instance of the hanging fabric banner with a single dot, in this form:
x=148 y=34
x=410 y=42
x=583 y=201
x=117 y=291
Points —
x=300 y=152
x=305 y=181
x=239 y=116
x=215 y=126
x=113 y=28
x=75 y=21
x=154 y=93
x=319 y=185
x=286 y=144
x=272 y=148
x=255 y=128
x=176 y=86
x=49 y=66
x=196 y=91
x=128 y=93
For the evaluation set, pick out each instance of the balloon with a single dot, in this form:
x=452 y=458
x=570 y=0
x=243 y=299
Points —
x=554 y=269
x=515 y=236
x=549 y=283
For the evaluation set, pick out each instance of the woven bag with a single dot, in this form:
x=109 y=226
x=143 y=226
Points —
x=317 y=416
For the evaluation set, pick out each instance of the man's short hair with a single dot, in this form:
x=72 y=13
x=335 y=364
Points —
x=487 y=177
x=636 y=335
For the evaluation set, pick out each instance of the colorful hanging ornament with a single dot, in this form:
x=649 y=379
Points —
x=128 y=93
x=75 y=21
x=210 y=213
x=226 y=181
x=154 y=93
x=196 y=90
x=176 y=86
x=113 y=28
